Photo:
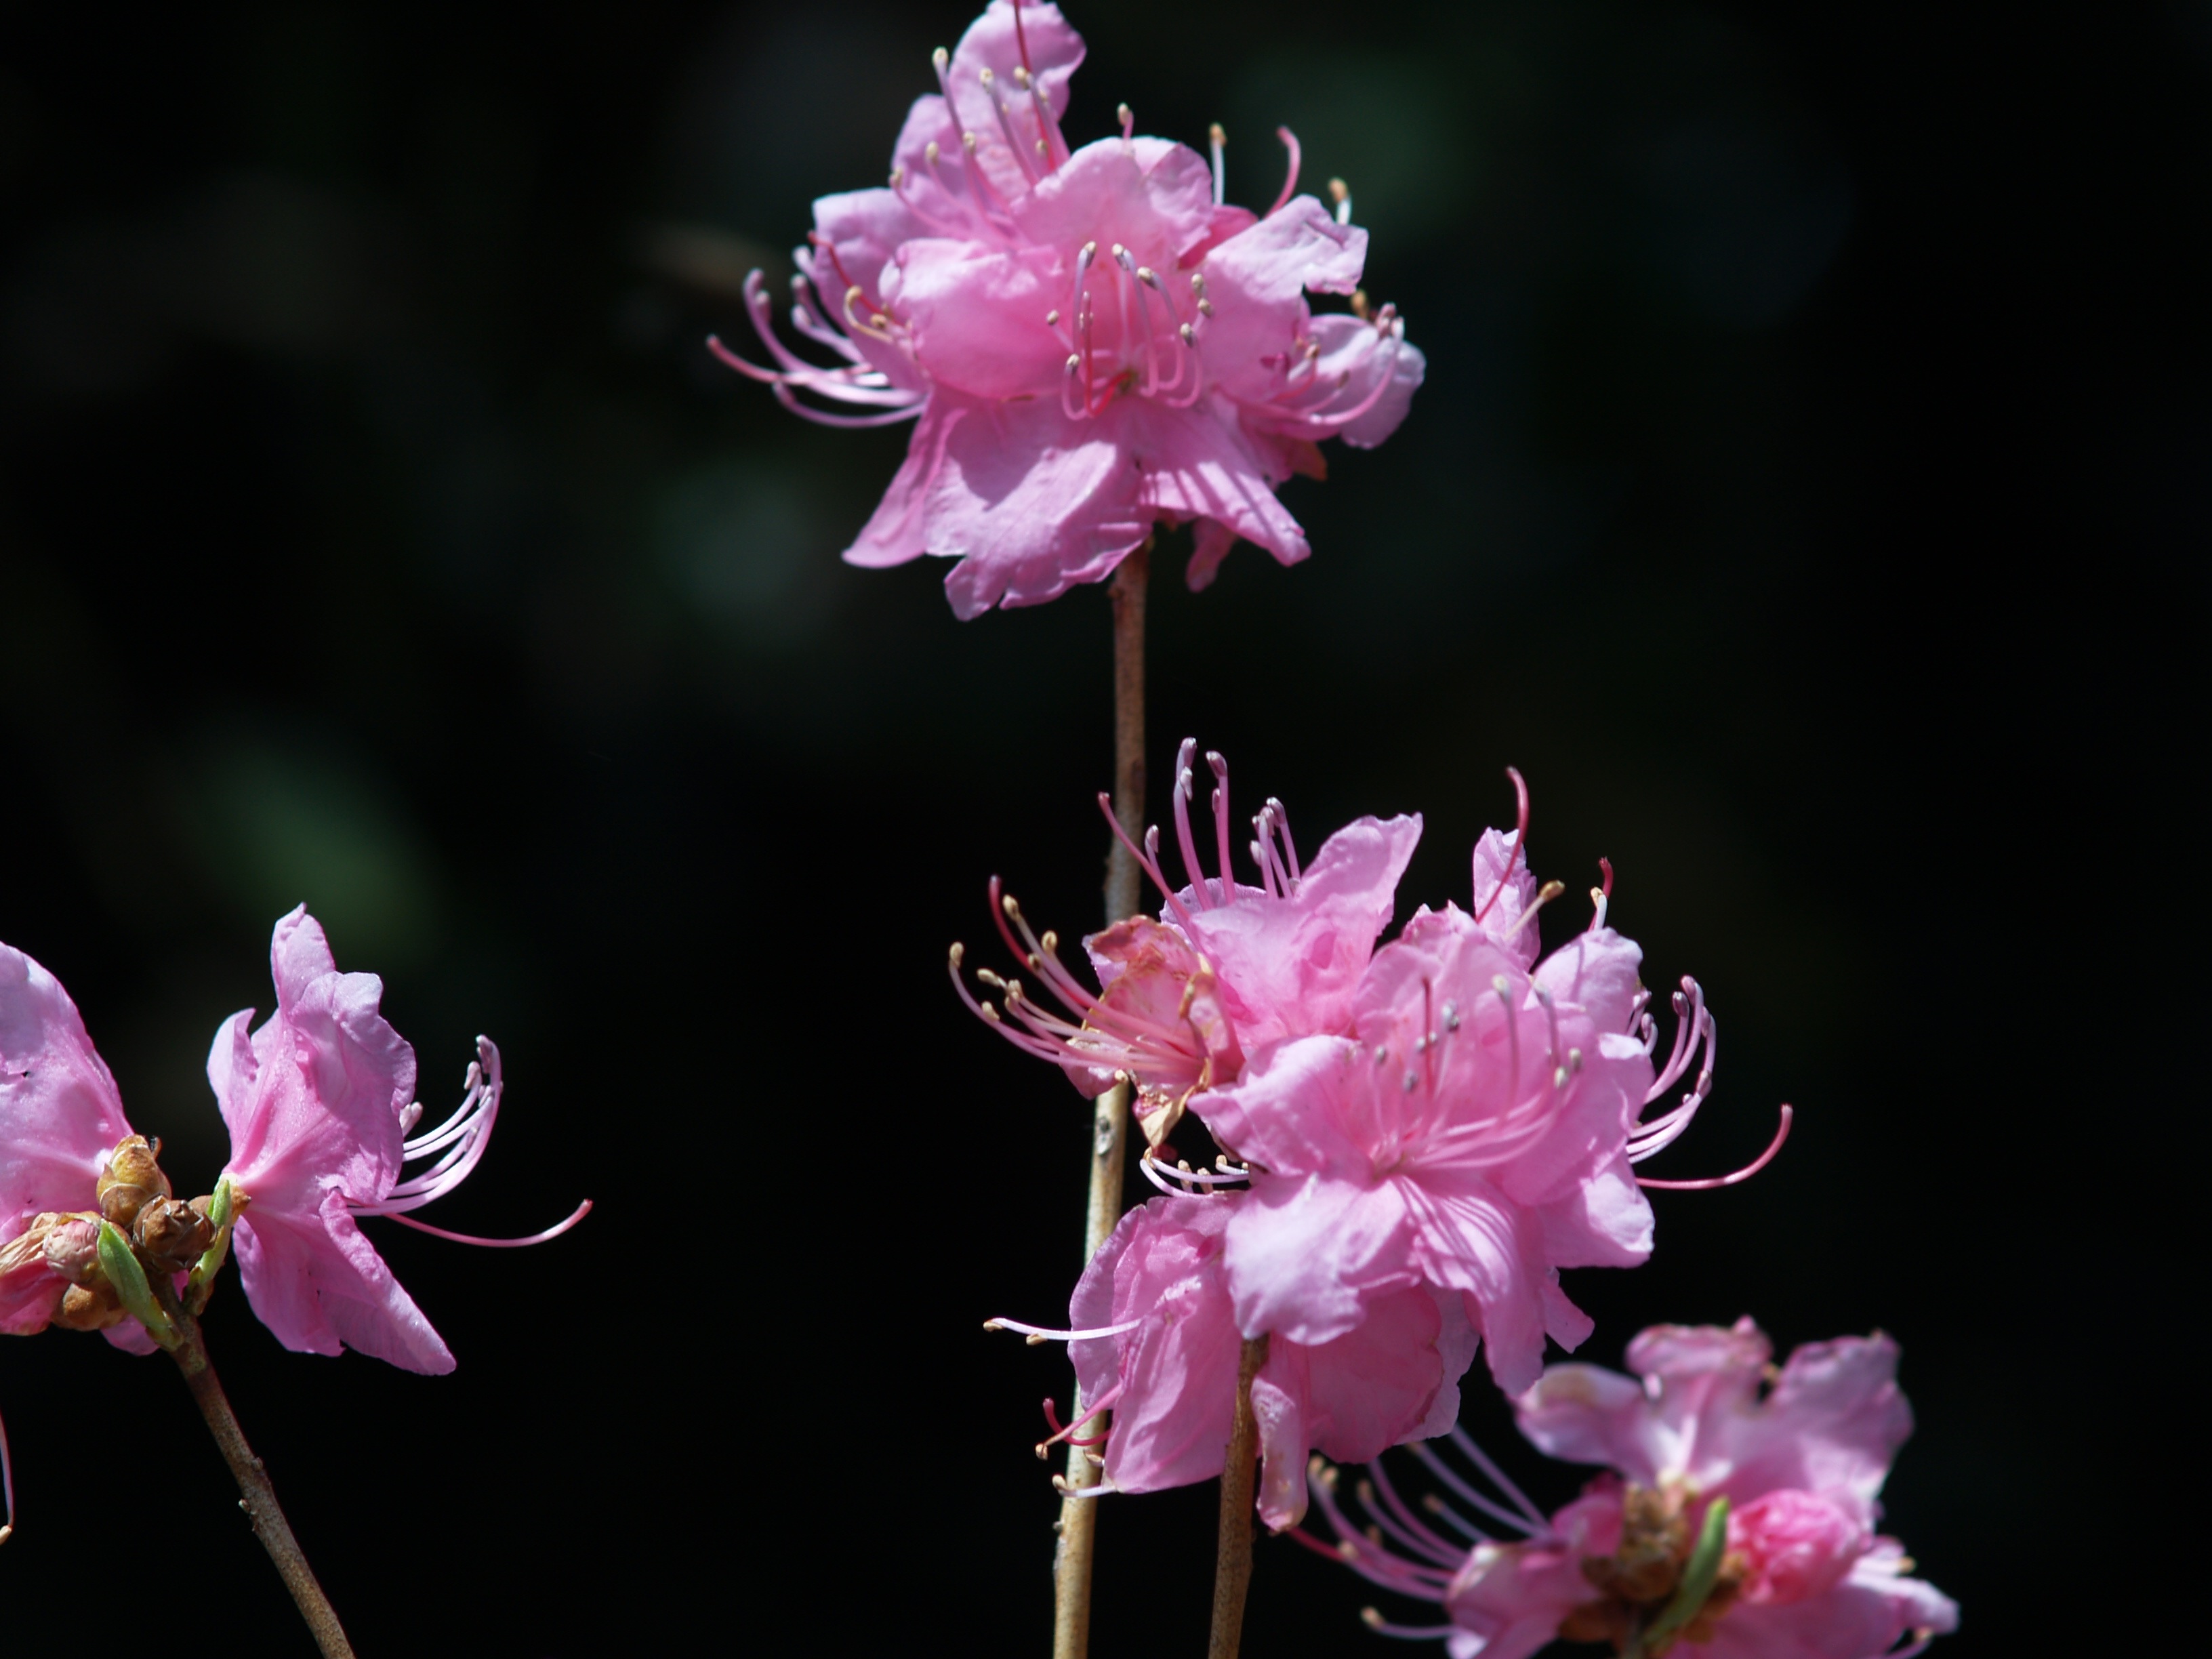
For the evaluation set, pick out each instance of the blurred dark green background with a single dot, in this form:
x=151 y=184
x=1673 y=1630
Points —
x=1809 y=494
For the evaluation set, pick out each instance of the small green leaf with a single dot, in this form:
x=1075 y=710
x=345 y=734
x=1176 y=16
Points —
x=222 y=1211
x=129 y=1278
x=1698 y=1575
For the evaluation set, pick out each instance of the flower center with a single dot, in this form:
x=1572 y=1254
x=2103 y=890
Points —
x=1638 y=1581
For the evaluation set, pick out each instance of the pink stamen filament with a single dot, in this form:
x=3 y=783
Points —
x=1147 y=861
x=1291 y=177
x=1519 y=842
x=1220 y=767
x=554 y=1231
x=1781 y=1135
x=7 y=1489
x=1536 y=1523
x=1068 y=1434
x=1402 y=1523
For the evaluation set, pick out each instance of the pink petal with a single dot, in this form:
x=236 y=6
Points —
x=993 y=42
x=1831 y=1425
x=1032 y=503
x=978 y=317
x=1210 y=544
x=1467 y=1236
x=1597 y=972
x=1257 y=281
x=1154 y=198
x=319 y=1284
x=1372 y=371
x=1291 y=966
x=1586 y=1414
x=1306 y=1255
x=1198 y=463
x=59 y=1111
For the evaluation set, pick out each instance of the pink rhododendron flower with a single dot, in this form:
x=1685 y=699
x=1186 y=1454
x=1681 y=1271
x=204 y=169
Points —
x=1092 y=340
x=319 y=1101
x=1227 y=970
x=59 y=1111
x=1802 y=1573
x=1473 y=1129
x=61 y=1118
x=1155 y=1341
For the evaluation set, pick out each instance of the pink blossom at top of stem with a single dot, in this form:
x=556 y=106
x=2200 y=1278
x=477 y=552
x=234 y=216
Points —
x=320 y=1102
x=1156 y=1343
x=1227 y=969
x=1799 y=1458
x=1092 y=340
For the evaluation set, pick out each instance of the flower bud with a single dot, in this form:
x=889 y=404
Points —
x=170 y=1235
x=71 y=1243
x=133 y=1175
x=91 y=1307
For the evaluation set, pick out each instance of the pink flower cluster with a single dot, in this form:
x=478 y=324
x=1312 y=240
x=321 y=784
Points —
x=1795 y=1567
x=1417 y=1136
x=1091 y=341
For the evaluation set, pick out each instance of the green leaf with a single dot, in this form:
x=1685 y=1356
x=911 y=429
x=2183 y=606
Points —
x=1698 y=1576
x=222 y=1211
x=121 y=1265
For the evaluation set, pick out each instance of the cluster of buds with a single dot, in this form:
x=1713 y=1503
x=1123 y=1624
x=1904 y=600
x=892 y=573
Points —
x=144 y=1254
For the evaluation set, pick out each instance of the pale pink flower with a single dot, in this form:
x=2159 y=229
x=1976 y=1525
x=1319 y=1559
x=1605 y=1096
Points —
x=319 y=1101
x=1227 y=970
x=1800 y=1459
x=60 y=1118
x=1154 y=1342
x=60 y=1113
x=1092 y=340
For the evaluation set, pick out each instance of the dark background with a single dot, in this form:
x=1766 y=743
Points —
x=1809 y=494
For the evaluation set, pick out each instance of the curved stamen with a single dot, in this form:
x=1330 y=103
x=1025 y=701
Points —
x=1220 y=767
x=1052 y=1420
x=554 y=1231
x=1781 y=1135
x=1601 y=897
x=1047 y=1334
x=7 y=1490
x=1290 y=847
x=1291 y=177
x=1376 y=1622
x=1193 y=871
x=1520 y=841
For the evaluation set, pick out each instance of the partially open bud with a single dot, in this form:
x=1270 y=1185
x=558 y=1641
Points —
x=133 y=1175
x=170 y=1235
x=91 y=1307
x=71 y=1243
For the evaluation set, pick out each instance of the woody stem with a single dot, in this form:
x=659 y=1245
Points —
x=1109 y=1121
x=256 y=1495
x=1232 y=1557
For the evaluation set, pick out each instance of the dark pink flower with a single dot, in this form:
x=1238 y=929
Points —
x=1155 y=1341
x=319 y=1101
x=1092 y=340
x=1801 y=1574
x=1228 y=970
